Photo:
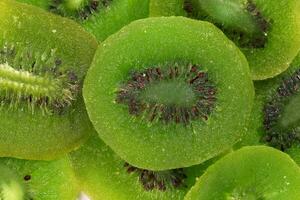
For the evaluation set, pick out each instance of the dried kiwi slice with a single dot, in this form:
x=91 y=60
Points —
x=37 y=180
x=104 y=175
x=99 y=17
x=163 y=97
x=275 y=117
x=42 y=67
x=256 y=172
x=268 y=32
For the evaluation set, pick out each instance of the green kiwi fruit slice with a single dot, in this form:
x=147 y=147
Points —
x=168 y=99
x=268 y=32
x=42 y=67
x=37 y=180
x=104 y=175
x=99 y=17
x=274 y=120
x=256 y=172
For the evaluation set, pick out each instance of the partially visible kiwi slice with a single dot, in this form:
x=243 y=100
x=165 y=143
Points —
x=104 y=175
x=37 y=180
x=99 y=17
x=268 y=32
x=42 y=67
x=275 y=120
x=256 y=172
x=168 y=99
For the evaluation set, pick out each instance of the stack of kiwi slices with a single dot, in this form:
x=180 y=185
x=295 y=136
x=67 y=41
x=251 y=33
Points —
x=149 y=100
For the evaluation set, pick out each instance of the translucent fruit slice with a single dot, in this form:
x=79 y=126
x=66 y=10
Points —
x=43 y=59
x=256 y=172
x=167 y=93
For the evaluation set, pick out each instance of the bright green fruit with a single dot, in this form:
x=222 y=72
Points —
x=275 y=120
x=42 y=67
x=104 y=175
x=37 y=180
x=99 y=17
x=252 y=173
x=167 y=93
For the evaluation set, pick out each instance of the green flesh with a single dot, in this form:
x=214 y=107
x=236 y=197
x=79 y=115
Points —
x=251 y=173
x=106 y=20
x=10 y=187
x=102 y=175
x=160 y=146
x=43 y=130
x=157 y=93
x=232 y=14
x=289 y=118
x=42 y=180
x=159 y=8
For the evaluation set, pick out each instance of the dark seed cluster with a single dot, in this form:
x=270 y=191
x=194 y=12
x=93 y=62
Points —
x=93 y=6
x=279 y=137
x=205 y=91
x=49 y=69
x=159 y=180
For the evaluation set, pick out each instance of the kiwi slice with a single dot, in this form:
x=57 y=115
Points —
x=256 y=172
x=99 y=17
x=159 y=8
x=168 y=99
x=274 y=120
x=42 y=67
x=37 y=180
x=104 y=175
x=268 y=32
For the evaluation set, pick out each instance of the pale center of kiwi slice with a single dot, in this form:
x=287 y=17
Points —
x=282 y=116
x=34 y=82
x=241 y=21
x=79 y=9
x=159 y=180
x=174 y=93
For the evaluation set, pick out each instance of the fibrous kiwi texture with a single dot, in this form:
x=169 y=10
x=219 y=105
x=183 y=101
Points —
x=99 y=17
x=256 y=172
x=42 y=67
x=168 y=92
x=37 y=180
x=268 y=32
x=104 y=175
x=275 y=118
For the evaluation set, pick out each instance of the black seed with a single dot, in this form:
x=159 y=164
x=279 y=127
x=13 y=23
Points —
x=27 y=177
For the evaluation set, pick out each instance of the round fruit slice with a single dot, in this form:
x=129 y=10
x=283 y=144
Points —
x=275 y=120
x=38 y=180
x=99 y=17
x=256 y=172
x=104 y=175
x=163 y=97
x=42 y=67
